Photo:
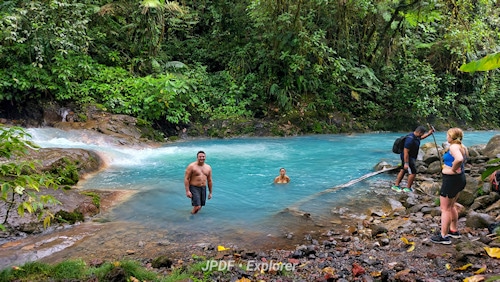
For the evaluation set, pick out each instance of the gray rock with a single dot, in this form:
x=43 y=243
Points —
x=478 y=220
x=483 y=201
x=492 y=149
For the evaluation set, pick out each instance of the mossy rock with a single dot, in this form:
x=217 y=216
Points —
x=68 y=217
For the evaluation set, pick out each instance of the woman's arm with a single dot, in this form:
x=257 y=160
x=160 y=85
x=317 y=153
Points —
x=456 y=152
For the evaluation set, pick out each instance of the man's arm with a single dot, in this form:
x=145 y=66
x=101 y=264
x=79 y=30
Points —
x=406 y=156
x=209 y=183
x=187 y=178
x=425 y=135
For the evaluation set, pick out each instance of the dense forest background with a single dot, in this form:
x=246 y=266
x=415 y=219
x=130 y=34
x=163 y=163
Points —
x=322 y=66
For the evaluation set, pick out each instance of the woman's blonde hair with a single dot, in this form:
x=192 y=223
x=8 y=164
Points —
x=456 y=135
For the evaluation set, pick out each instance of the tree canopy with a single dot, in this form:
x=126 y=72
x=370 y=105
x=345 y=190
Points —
x=379 y=63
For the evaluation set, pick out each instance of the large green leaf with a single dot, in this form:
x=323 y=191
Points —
x=490 y=62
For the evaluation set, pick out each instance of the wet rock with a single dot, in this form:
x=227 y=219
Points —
x=378 y=229
x=162 y=261
x=429 y=187
x=96 y=262
x=396 y=206
x=469 y=194
x=495 y=206
x=297 y=254
x=382 y=165
x=483 y=201
x=492 y=149
x=478 y=220
x=116 y=274
x=30 y=228
x=384 y=241
x=87 y=209
x=470 y=248
x=434 y=167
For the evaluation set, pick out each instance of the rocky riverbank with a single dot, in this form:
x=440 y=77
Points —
x=389 y=243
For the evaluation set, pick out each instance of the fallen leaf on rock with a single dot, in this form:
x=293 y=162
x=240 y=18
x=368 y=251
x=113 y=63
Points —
x=412 y=247
x=244 y=279
x=376 y=273
x=493 y=252
x=475 y=278
x=222 y=248
x=402 y=273
x=431 y=255
x=305 y=264
x=448 y=266
x=329 y=270
x=464 y=267
x=352 y=229
x=481 y=270
x=357 y=270
x=405 y=240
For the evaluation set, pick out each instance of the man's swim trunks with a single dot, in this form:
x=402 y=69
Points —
x=199 y=195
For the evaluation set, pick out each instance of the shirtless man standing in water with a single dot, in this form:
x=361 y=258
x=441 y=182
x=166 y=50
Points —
x=198 y=175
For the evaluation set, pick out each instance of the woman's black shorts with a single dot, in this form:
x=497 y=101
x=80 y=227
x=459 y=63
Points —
x=452 y=185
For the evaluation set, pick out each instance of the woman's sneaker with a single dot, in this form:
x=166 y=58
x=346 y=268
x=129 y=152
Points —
x=454 y=234
x=438 y=239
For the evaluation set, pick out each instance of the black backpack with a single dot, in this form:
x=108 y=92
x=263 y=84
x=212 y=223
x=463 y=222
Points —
x=495 y=181
x=399 y=144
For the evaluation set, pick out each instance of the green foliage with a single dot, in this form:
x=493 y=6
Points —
x=173 y=64
x=78 y=270
x=69 y=269
x=490 y=62
x=68 y=217
x=96 y=199
x=34 y=32
x=66 y=171
x=20 y=181
x=490 y=169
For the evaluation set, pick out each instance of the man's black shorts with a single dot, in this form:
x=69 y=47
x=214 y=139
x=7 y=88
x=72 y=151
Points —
x=199 y=195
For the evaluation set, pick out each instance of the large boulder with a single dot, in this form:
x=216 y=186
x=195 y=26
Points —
x=470 y=192
x=121 y=129
x=431 y=152
x=86 y=161
x=492 y=149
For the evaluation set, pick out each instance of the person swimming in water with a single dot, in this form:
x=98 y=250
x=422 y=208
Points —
x=282 y=178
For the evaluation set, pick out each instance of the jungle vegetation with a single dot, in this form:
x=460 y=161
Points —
x=375 y=64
